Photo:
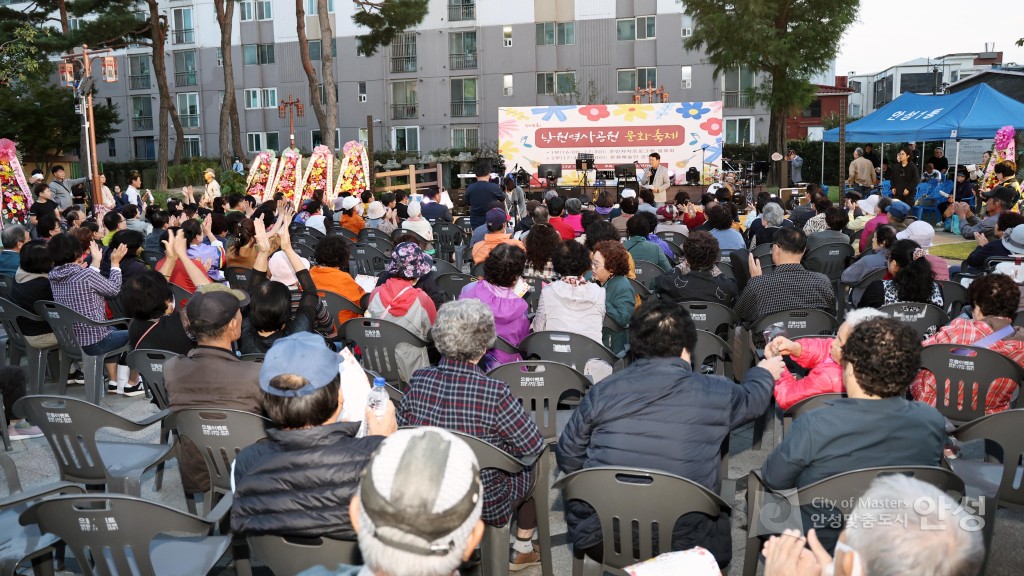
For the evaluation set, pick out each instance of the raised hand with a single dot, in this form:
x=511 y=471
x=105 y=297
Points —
x=117 y=254
x=262 y=241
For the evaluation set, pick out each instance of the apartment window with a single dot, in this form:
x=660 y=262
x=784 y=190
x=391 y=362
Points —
x=361 y=91
x=111 y=148
x=561 y=33
x=506 y=82
x=257 y=54
x=405 y=138
x=506 y=34
x=145 y=147
x=639 y=28
x=323 y=93
x=185 y=68
x=314 y=137
x=316 y=49
x=193 y=147
x=629 y=79
x=264 y=11
x=403 y=53
x=182 y=26
x=246 y=11
x=739 y=130
x=686 y=30
x=260 y=141
x=465 y=138
x=686 y=73
x=188 y=109
x=311 y=7
x=549 y=82
x=74 y=24
x=403 y=100
x=260 y=98
x=142 y=113
x=220 y=57
x=462 y=50
x=737 y=87
x=464 y=99
x=138 y=72
x=461 y=10
x=364 y=137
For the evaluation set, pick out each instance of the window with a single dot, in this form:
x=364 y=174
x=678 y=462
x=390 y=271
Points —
x=260 y=98
x=260 y=141
x=361 y=91
x=323 y=93
x=246 y=11
x=182 y=26
x=561 y=33
x=193 y=147
x=138 y=72
x=737 y=88
x=145 y=147
x=465 y=138
x=111 y=148
x=462 y=50
x=813 y=109
x=506 y=33
x=739 y=130
x=403 y=100
x=311 y=7
x=686 y=73
x=264 y=10
x=188 y=109
x=314 y=137
x=548 y=82
x=142 y=113
x=461 y=10
x=316 y=49
x=257 y=54
x=507 y=84
x=405 y=138
x=630 y=79
x=403 y=53
x=639 y=28
x=464 y=98
x=954 y=76
x=364 y=137
x=185 y=68
x=686 y=30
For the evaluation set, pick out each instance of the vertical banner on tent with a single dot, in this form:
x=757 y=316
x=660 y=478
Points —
x=685 y=134
x=842 y=146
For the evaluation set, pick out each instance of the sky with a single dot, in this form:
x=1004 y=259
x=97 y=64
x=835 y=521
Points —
x=890 y=32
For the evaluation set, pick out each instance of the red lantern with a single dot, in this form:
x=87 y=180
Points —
x=67 y=74
x=109 y=69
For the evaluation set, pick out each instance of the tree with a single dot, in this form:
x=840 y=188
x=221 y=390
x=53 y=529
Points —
x=786 y=41
x=27 y=40
x=230 y=129
x=325 y=109
x=385 y=20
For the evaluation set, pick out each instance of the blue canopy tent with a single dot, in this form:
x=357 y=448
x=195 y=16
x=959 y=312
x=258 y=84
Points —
x=975 y=113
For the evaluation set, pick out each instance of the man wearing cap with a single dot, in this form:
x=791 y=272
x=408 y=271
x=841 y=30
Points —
x=899 y=215
x=349 y=220
x=300 y=479
x=481 y=193
x=211 y=375
x=496 y=234
x=923 y=233
x=997 y=200
x=212 y=187
x=433 y=210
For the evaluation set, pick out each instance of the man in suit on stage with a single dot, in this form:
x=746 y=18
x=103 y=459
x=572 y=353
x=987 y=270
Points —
x=655 y=178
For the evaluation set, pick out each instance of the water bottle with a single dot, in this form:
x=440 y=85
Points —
x=378 y=398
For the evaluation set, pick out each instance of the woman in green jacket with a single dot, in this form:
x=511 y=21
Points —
x=611 y=265
x=639 y=227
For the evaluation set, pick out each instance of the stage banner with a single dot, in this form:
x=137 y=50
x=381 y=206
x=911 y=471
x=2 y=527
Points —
x=686 y=134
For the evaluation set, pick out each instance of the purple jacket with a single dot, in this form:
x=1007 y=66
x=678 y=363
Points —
x=510 y=321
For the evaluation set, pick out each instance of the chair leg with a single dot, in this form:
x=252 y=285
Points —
x=752 y=556
x=93 y=367
x=42 y=564
x=36 y=369
x=541 y=499
x=3 y=426
x=165 y=436
x=62 y=374
x=494 y=551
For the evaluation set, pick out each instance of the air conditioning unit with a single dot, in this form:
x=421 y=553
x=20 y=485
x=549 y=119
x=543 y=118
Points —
x=362 y=97
x=508 y=42
x=686 y=83
x=508 y=91
x=687 y=32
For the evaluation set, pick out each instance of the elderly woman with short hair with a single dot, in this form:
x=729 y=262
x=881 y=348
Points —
x=610 y=267
x=502 y=270
x=698 y=282
x=438 y=396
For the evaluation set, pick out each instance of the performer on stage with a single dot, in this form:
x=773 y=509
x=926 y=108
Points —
x=655 y=178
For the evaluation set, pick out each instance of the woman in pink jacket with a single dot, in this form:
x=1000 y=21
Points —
x=820 y=355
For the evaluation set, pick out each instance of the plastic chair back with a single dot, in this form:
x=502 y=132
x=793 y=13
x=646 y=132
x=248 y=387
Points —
x=220 y=435
x=804 y=406
x=181 y=296
x=6 y=285
x=305 y=251
x=672 y=237
x=711 y=349
x=539 y=386
x=954 y=296
x=447 y=237
x=378 y=340
x=347 y=233
x=336 y=303
x=800 y=322
x=383 y=244
x=152 y=257
x=368 y=232
x=150 y=365
x=10 y=313
x=646 y=272
x=1003 y=428
x=294 y=555
x=451 y=285
x=763 y=254
x=444 y=267
x=712 y=317
x=399 y=232
x=963 y=377
x=829 y=259
x=925 y=319
x=642 y=291
x=369 y=261
x=573 y=350
x=238 y=277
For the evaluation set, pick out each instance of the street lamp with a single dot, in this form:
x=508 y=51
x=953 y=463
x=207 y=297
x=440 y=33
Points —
x=84 y=86
x=287 y=107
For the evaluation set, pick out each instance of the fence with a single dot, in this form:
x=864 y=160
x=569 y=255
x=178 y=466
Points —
x=409 y=174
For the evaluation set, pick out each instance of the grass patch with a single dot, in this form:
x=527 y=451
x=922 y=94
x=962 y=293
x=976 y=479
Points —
x=956 y=251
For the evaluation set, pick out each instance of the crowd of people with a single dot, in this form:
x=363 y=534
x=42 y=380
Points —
x=318 y=474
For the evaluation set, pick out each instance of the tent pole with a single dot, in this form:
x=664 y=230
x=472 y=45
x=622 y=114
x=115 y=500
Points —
x=956 y=162
x=881 y=171
x=822 y=182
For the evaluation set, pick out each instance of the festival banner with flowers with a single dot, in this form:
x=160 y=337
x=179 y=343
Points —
x=261 y=176
x=319 y=174
x=355 y=170
x=684 y=133
x=16 y=195
x=289 y=171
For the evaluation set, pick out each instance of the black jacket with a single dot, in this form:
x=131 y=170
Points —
x=659 y=414
x=697 y=286
x=299 y=482
x=303 y=320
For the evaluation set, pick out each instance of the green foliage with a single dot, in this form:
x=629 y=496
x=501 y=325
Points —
x=19 y=56
x=385 y=20
x=112 y=23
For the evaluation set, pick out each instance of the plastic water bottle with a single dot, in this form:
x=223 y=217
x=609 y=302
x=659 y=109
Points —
x=378 y=398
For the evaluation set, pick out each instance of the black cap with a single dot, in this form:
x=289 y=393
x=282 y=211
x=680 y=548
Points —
x=211 y=311
x=1005 y=193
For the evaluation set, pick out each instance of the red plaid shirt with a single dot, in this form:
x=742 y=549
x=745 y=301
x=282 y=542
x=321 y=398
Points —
x=458 y=396
x=961 y=331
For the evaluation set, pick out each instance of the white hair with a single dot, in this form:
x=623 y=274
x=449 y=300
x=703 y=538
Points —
x=906 y=526
x=854 y=317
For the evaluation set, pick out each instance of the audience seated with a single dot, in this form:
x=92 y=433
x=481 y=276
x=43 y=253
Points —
x=923 y=233
x=330 y=274
x=496 y=221
x=876 y=207
x=541 y=244
x=610 y=268
x=876 y=259
x=572 y=303
x=720 y=220
x=241 y=241
x=762 y=230
x=157 y=323
x=659 y=414
x=300 y=479
x=670 y=220
x=911 y=278
x=556 y=208
x=439 y=395
x=13 y=237
x=32 y=284
x=417 y=223
x=502 y=270
x=212 y=254
x=349 y=220
x=131 y=265
x=1004 y=245
x=836 y=219
x=573 y=215
x=697 y=279
x=993 y=300
x=817 y=223
x=640 y=226
x=433 y=210
x=997 y=200
x=628 y=207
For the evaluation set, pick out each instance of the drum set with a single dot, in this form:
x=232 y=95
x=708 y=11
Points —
x=739 y=175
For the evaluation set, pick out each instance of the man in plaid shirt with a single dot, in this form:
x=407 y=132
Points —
x=457 y=395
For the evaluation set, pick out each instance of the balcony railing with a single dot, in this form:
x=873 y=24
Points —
x=185 y=78
x=189 y=120
x=403 y=64
x=139 y=82
x=185 y=36
x=461 y=12
x=462 y=61
x=738 y=100
x=142 y=123
x=464 y=109
x=404 y=111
